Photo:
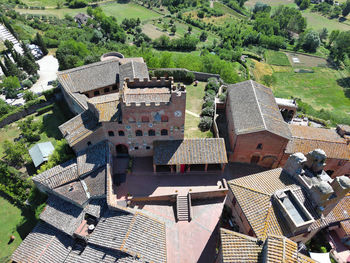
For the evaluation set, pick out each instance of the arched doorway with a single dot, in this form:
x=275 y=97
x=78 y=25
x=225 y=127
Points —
x=122 y=150
x=255 y=159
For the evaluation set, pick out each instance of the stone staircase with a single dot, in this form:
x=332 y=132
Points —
x=5 y=34
x=182 y=208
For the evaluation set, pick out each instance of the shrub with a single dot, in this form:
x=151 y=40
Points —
x=49 y=94
x=222 y=97
x=178 y=75
x=205 y=123
x=44 y=109
x=209 y=111
x=29 y=95
x=207 y=104
x=214 y=84
x=27 y=83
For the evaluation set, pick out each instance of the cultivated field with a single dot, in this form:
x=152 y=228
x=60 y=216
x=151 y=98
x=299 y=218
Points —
x=119 y=11
x=276 y=58
x=306 y=61
x=251 y=3
x=317 y=22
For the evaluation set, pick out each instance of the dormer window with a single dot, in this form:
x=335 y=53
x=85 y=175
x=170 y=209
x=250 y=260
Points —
x=259 y=147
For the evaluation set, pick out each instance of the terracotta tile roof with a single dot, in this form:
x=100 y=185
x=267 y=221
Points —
x=92 y=158
x=240 y=248
x=107 y=106
x=134 y=234
x=236 y=247
x=253 y=108
x=305 y=139
x=133 y=69
x=62 y=215
x=146 y=95
x=58 y=175
x=346 y=227
x=190 y=151
x=79 y=127
x=74 y=192
x=90 y=77
x=254 y=195
x=281 y=249
x=44 y=244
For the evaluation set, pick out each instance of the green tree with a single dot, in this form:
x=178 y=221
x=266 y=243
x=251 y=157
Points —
x=11 y=67
x=304 y=4
x=333 y=36
x=10 y=86
x=8 y=45
x=189 y=29
x=346 y=8
x=71 y=54
x=341 y=47
x=311 y=41
x=3 y=68
x=29 y=95
x=15 y=153
x=203 y=37
x=40 y=42
x=323 y=34
x=173 y=29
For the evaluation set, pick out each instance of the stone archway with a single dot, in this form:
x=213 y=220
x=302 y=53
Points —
x=122 y=150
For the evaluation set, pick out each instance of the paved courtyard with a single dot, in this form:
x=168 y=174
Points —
x=48 y=70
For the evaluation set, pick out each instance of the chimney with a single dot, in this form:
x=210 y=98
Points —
x=316 y=161
x=294 y=164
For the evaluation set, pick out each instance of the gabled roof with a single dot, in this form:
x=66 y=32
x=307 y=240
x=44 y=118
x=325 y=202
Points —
x=253 y=108
x=305 y=139
x=254 y=195
x=90 y=77
x=106 y=106
x=190 y=151
x=79 y=127
x=40 y=152
x=92 y=157
x=133 y=69
x=44 y=244
x=62 y=214
x=240 y=248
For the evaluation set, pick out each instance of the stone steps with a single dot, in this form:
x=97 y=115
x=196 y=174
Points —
x=182 y=208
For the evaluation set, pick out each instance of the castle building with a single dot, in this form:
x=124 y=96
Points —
x=296 y=201
x=257 y=133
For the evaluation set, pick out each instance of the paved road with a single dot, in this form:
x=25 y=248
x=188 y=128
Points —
x=48 y=70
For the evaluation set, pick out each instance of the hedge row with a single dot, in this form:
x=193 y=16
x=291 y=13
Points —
x=44 y=109
x=178 y=75
x=21 y=108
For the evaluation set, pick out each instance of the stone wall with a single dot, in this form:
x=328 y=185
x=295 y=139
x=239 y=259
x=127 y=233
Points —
x=25 y=112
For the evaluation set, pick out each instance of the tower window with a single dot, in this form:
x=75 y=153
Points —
x=259 y=147
x=164 y=132
x=138 y=133
x=110 y=133
x=121 y=133
x=151 y=133
x=88 y=143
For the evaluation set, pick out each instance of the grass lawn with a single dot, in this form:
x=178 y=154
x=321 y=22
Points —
x=226 y=10
x=317 y=22
x=60 y=13
x=272 y=3
x=13 y=221
x=52 y=3
x=319 y=89
x=276 y=58
x=194 y=101
x=129 y=10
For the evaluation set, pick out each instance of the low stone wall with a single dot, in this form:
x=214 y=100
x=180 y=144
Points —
x=200 y=76
x=25 y=112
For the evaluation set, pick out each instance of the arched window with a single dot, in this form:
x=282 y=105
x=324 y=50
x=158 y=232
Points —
x=144 y=119
x=165 y=118
x=164 y=132
x=88 y=143
x=259 y=147
x=138 y=133
x=96 y=93
x=110 y=133
x=151 y=133
x=121 y=133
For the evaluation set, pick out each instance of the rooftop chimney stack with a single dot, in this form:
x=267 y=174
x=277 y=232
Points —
x=316 y=161
x=294 y=164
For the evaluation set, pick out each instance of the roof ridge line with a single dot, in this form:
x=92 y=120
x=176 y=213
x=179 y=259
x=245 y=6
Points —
x=319 y=140
x=257 y=101
x=251 y=189
x=121 y=248
x=266 y=220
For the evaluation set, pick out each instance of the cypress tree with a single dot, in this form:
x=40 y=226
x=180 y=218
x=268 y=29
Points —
x=40 y=42
x=12 y=69
x=3 y=68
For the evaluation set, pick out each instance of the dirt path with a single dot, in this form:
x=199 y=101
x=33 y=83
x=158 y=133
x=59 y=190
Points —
x=211 y=4
x=192 y=113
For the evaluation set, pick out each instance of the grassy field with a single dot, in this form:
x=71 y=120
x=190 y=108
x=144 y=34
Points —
x=276 y=58
x=194 y=101
x=119 y=11
x=317 y=22
x=13 y=221
x=226 y=10
x=272 y=3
